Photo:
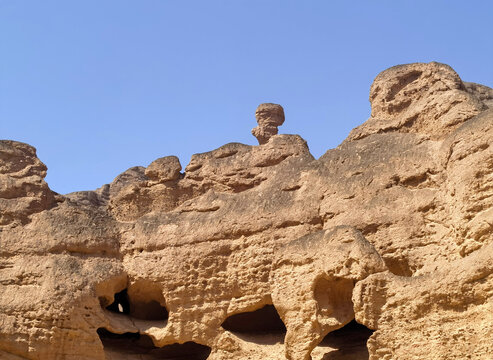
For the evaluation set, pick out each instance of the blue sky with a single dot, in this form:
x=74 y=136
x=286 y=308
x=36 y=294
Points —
x=100 y=86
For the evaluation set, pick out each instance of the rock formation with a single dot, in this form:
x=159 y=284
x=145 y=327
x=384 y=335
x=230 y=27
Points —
x=380 y=249
x=269 y=117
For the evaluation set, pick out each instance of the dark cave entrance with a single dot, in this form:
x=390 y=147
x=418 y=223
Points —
x=139 y=346
x=348 y=342
x=263 y=320
x=139 y=305
x=120 y=304
x=148 y=310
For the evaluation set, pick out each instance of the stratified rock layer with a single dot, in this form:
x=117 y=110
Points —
x=380 y=249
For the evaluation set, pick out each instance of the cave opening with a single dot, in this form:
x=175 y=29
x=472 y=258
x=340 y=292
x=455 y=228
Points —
x=348 y=342
x=148 y=310
x=138 y=304
x=139 y=346
x=263 y=320
x=120 y=304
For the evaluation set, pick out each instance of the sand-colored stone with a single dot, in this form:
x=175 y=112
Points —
x=23 y=190
x=164 y=169
x=269 y=116
x=264 y=252
x=428 y=99
x=312 y=283
x=447 y=314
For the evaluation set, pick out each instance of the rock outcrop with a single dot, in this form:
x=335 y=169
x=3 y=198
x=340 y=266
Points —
x=380 y=249
x=269 y=117
x=428 y=99
x=23 y=190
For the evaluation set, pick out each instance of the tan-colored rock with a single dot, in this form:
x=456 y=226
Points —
x=444 y=315
x=269 y=117
x=469 y=184
x=164 y=169
x=23 y=190
x=380 y=249
x=312 y=283
x=428 y=99
x=481 y=92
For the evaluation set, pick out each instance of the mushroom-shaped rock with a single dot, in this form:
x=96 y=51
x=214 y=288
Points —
x=269 y=117
x=164 y=169
x=312 y=281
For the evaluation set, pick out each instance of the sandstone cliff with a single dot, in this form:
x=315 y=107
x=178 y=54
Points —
x=380 y=249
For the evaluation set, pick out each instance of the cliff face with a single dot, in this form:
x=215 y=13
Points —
x=380 y=249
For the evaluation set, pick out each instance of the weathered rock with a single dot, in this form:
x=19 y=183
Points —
x=269 y=117
x=233 y=168
x=164 y=169
x=444 y=315
x=388 y=186
x=131 y=176
x=23 y=190
x=468 y=159
x=428 y=99
x=481 y=92
x=312 y=284
x=263 y=252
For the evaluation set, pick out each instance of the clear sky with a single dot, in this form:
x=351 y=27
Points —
x=100 y=86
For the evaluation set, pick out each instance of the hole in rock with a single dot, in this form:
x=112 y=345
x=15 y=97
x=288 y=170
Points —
x=398 y=267
x=264 y=320
x=147 y=301
x=120 y=304
x=140 y=302
x=138 y=346
x=151 y=310
x=334 y=297
x=348 y=342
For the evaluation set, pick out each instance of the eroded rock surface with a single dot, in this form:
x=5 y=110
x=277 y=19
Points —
x=428 y=99
x=23 y=190
x=269 y=117
x=380 y=249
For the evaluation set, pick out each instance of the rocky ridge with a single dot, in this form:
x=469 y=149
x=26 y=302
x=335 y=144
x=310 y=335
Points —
x=380 y=249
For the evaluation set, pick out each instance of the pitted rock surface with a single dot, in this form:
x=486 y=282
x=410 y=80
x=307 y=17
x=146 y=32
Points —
x=380 y=249
x=269 y=117
x=428 y=99
x=23 y=190
x=164 y=169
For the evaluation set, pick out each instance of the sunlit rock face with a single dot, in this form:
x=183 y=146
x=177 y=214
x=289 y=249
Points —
x=380 y=249
x=269 y=118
